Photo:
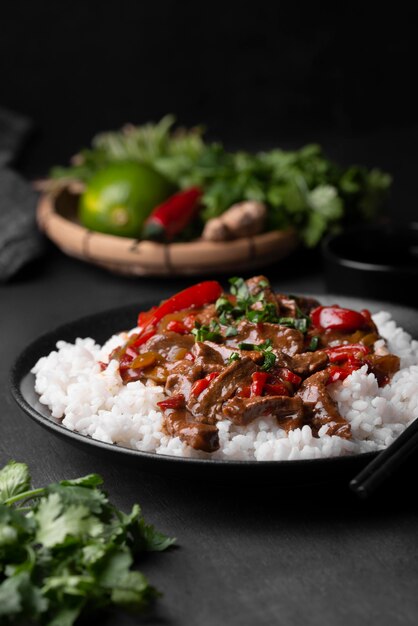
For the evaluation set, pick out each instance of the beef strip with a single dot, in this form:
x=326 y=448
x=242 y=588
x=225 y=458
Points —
x=320 y=408
x=287 y=341
x=168 y=344
x=206 y=315
x=288 y=306
x=308 y=363
x=288 y=411
x=200 y=436
x=208 y=404
x=182 y=376
x=383 y=366
x=226 y=352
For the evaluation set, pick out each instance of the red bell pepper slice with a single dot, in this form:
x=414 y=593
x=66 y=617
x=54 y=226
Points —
x=276 y=389
x=192 y=297
x=244 y=392
x=337 y=372
x=259 y=380
x=290 y=377
x=175 y=402
x=349 y=352
x=337 y=318
x=203 y=383
x=175 y=326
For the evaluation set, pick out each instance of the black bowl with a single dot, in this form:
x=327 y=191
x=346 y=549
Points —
x=377 y=261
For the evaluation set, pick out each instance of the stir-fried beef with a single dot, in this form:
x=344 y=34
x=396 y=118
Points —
x=226 y=352
x=223 y=387
x=169 y=344
x=285 y=340
x=198 y=435
x=289 y=306
x=308 y=363
x=288 y=411
x=256 y=354
x=320 y=408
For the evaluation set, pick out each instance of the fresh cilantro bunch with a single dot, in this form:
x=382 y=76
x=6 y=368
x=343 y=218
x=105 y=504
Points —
x=65 y=547
x=302 y=188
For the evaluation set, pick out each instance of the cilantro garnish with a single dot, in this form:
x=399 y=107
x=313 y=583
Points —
x=266 y=348
x=207 y=333
x=233 y=357
x=65 y=548
x=255 y=308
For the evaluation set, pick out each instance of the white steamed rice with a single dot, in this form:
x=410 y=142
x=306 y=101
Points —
x=96 y=403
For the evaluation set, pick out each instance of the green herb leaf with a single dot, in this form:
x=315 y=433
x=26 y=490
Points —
x=301 y=324
x=20 y=597
x=70 y=549
x=269 y=361
x=14 y=479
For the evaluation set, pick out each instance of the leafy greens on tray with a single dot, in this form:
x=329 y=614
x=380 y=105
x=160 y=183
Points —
x=301 y=189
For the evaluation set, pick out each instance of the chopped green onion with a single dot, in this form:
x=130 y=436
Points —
x=313 y=344
x=233 y=357
x=247 y=346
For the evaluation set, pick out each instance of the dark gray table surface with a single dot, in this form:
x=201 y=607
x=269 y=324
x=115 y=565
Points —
x=247 y=554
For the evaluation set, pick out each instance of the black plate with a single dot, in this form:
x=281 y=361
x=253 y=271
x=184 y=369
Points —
x=101 y=326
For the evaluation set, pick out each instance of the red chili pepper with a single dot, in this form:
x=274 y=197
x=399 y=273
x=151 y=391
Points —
x=337 y=318
x=348 y=352
x=195 y=296
x=175 y=402
x=178 y=327
x=276 y=389
x=203 y=383
x=169 y=218
x=289 y=376
x=259 y=380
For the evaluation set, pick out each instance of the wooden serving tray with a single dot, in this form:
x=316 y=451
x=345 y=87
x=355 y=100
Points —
x=57 y=218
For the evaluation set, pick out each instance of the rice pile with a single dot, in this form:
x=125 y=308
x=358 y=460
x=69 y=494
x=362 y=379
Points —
x=95 y=403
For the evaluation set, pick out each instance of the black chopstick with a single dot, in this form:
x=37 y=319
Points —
x=386 y=463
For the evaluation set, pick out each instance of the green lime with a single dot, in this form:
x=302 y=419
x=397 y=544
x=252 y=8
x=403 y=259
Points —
x=120 y=196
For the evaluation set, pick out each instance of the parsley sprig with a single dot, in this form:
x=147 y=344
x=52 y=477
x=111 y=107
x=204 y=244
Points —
x=65 y=548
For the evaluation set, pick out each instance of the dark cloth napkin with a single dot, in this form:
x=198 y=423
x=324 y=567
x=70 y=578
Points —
x=20 y=239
